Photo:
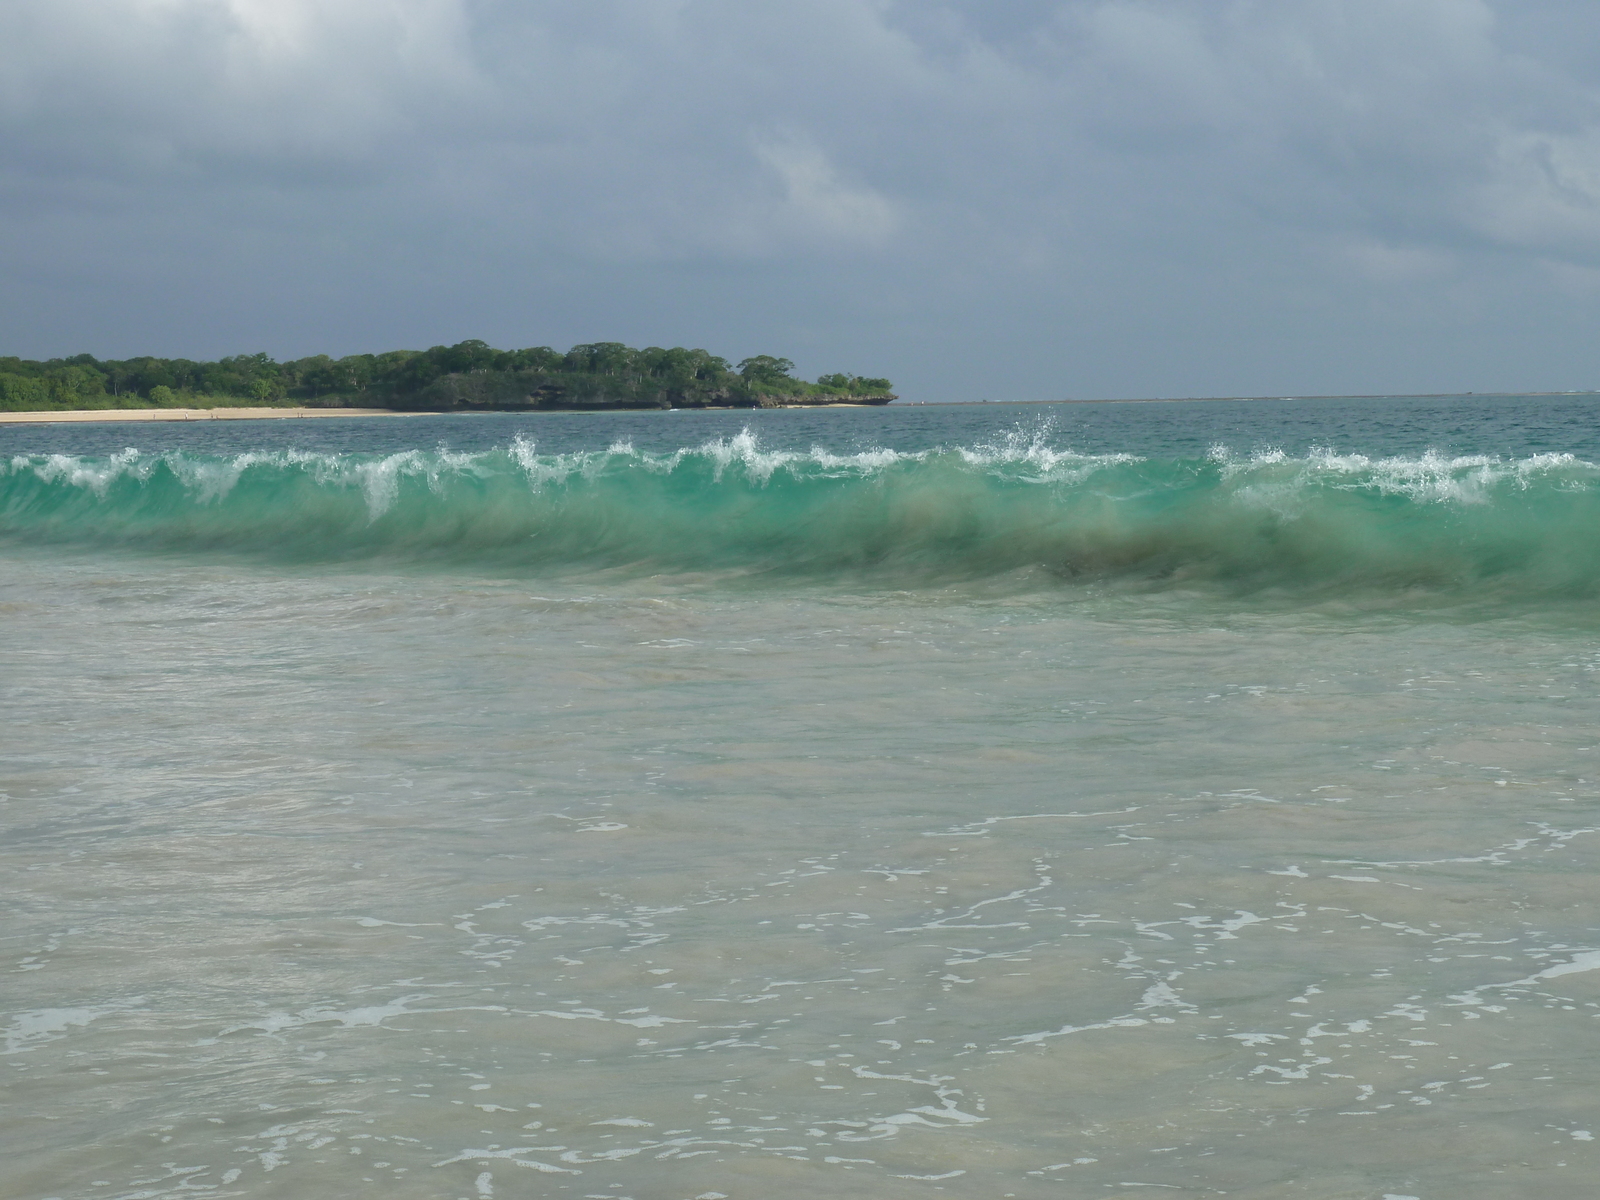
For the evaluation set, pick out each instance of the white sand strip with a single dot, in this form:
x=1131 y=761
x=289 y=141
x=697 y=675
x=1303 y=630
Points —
x=194 y=414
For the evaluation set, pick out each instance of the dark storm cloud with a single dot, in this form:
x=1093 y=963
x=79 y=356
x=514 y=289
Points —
x=1030 y=199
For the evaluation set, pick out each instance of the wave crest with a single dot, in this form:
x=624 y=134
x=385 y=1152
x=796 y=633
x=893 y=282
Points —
x=1268 y=520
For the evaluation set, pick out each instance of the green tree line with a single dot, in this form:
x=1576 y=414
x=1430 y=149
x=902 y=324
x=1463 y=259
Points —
x=468 y=375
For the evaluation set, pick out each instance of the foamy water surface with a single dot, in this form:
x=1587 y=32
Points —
x=468 y=877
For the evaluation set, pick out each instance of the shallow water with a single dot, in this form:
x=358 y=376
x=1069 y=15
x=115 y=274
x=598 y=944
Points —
x=385 y=869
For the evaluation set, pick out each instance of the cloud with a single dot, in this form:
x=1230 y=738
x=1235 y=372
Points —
x=1038 y=198
x=1543 y=194
x=819 y=202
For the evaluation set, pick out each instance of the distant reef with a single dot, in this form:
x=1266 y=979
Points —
x=470 y=376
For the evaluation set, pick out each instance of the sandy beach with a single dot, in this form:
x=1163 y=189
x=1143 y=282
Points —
x=191 y=414
x=279 y=414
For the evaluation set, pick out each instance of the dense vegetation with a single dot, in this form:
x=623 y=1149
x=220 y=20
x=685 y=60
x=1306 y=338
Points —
x=470 y=375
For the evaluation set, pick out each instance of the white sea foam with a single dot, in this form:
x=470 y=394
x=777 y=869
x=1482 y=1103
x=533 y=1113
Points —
x=29 y=1030
x=955 y=876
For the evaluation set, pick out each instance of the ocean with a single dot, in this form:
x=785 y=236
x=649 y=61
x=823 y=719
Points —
x=980 y=801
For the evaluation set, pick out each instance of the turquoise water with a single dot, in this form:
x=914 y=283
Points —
x=919 y=498
x=979 y=802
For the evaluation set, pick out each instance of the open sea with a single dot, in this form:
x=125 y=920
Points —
x=961 y=802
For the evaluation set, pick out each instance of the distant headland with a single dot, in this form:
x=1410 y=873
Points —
x=470 y=376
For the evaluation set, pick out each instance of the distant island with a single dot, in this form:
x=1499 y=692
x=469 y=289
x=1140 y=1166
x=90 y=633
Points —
x=470 y=376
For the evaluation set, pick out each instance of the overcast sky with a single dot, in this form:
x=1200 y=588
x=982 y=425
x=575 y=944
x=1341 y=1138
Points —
x=1003 y=199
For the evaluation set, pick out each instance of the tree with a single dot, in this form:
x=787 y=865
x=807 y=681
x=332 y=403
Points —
x=600 y=358
x=353 y=372
x=470 y=373
x=763 y=368
x=470 y=355
x=534 y=358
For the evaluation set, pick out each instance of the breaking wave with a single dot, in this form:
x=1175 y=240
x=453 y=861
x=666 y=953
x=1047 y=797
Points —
x=1321 y=521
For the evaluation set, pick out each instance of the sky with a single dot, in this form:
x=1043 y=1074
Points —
x=980 y=199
